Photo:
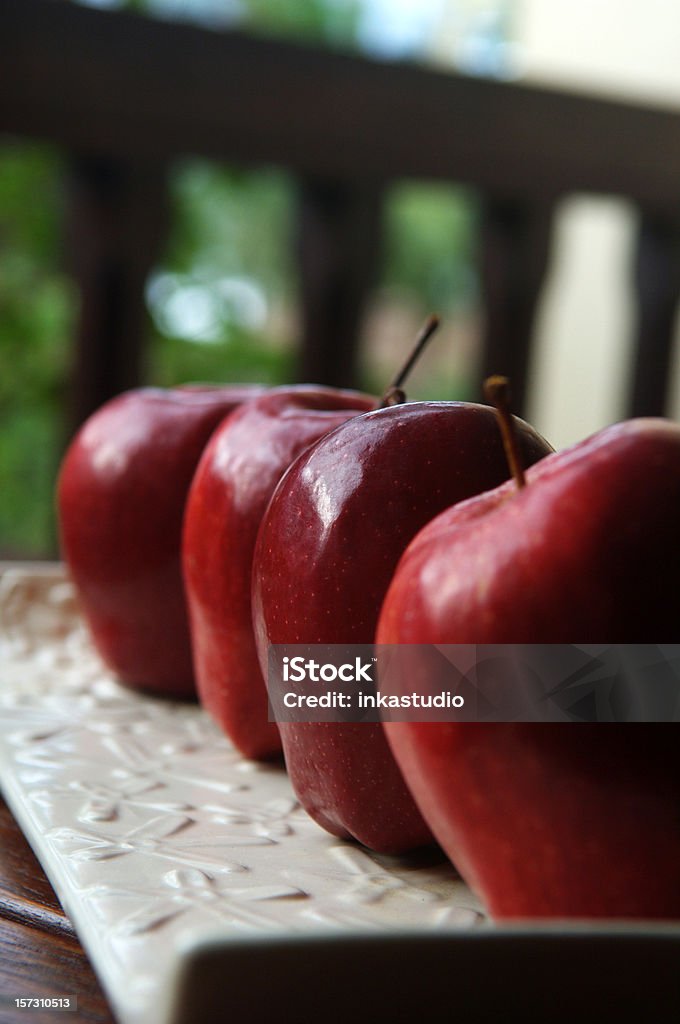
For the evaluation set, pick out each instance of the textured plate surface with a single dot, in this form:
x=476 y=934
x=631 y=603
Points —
x=158 y=838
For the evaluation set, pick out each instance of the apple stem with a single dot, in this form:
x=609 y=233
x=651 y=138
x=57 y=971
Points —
x=394 y=394
x=497 y=393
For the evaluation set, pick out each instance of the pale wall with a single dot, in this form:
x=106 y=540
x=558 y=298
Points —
x=583 y=336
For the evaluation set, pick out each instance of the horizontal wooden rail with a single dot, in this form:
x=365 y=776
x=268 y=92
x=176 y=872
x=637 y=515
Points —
x=120 y=83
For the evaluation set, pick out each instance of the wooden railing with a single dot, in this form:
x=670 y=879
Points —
x=126 y=95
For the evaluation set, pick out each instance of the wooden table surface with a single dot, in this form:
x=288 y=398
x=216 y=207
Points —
x=40 y=954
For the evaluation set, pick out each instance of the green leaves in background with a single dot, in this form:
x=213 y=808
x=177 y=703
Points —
x=37 y=308
x=428 y=245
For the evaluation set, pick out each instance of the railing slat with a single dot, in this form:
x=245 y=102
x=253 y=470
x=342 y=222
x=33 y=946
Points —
x=338 y=250
x=116 y=222
x=657 y=288
x=515 y=241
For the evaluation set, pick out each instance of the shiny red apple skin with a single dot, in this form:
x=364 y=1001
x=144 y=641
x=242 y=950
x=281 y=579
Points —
x=326 y=550
x=120 y=495
x=553 y=820
x=235 y=479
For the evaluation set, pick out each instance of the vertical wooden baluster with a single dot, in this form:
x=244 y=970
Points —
x=657 y=290
x=116 y=221
x=514 y=252
x=338 y=249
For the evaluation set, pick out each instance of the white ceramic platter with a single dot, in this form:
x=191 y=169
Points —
x=202 y=892
x=157 y=837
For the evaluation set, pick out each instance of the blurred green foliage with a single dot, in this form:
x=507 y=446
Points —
x=429 y=236
x=37 y=308
x=227 y=225
x=333 y=22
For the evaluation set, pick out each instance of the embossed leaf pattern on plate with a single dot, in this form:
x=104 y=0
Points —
x=155 y=832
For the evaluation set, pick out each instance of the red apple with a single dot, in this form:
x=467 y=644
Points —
x=544 y=819
x=121 y=494
x=236 y=476
x=326 y=550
